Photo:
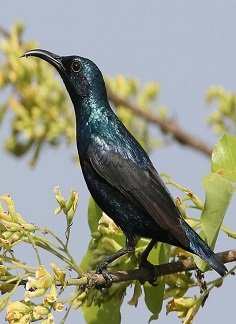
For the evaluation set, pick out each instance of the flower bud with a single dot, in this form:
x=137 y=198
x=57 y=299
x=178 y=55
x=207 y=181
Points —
x=72 y=201
x=32 y=294
x=60 y=199
x=96 y=235
x=51 y=298
x=181 y=206
x=61 y=275
x=39 y=312
x=109 y=245
x=197 y=202
x=180 y=305
x=3 y=270
x=10 y=226
x=6 y=244
x=29 y=227
x=11 y=207
x=78 y=301
x=58 y=210
x=49 y=319
x=16 y=310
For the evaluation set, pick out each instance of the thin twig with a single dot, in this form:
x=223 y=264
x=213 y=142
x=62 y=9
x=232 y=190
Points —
x=166 y=125
x=4 y=32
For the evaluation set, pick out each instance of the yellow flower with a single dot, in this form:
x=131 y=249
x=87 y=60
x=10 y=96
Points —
x=40 y=311
x=36 y=293
x=3 y=270
x=17 y=311
x=51 y=298
x=31 y=283
x=61 y=275
x=59 y=307
x=49 y=319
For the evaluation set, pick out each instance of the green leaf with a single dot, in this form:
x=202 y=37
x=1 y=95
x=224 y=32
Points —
x=154 y=295
x=224 y=157
x=84 y=264
x=94 y=215
x=228 y=231
x=108 y=312
x=219 y=192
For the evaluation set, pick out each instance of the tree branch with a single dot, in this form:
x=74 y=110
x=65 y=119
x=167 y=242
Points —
x=166 y=125
x=4 y=32
x=145 y=274
x=92 y=279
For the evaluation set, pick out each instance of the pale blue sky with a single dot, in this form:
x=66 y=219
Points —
x=186 y=46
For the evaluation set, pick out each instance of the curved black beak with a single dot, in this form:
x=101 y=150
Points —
x=47 y=56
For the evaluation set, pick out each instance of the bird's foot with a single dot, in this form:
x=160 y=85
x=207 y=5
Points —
x=102 y=269
x=148 y=265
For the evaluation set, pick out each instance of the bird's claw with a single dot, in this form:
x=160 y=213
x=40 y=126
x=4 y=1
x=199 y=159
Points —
x=102 y=269
x=148 y=265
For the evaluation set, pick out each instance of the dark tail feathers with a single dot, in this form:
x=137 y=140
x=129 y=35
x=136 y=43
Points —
x=200 y=248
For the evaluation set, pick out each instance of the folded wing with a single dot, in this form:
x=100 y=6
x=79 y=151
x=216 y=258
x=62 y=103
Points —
x=142 y=185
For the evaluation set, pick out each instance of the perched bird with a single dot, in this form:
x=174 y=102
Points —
x=118 y=172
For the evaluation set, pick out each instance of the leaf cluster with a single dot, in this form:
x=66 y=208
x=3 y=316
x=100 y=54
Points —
x=223 y=118
x=38 y=104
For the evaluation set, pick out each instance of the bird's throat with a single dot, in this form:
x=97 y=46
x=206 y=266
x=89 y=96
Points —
x=91 y=112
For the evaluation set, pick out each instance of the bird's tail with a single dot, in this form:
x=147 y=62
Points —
x=200 y=248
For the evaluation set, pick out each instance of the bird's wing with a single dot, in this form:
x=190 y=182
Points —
x=141 y=185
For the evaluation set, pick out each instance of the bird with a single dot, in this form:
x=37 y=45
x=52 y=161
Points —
x=118 y=172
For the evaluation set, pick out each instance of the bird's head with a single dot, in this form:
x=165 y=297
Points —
x=81 y=76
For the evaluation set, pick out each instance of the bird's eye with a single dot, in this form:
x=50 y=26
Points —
x=75 y=66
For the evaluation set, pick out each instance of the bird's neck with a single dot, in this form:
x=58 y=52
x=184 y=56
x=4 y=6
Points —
x=93 y=112
x=93 y=118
